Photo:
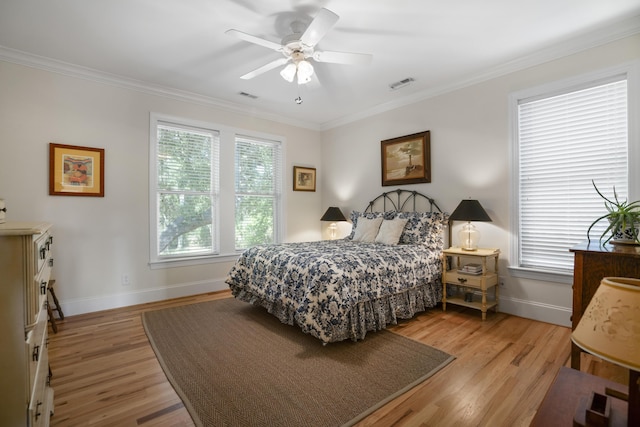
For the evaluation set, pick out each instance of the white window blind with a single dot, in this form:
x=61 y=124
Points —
x=186 y=190
x=258 y=186
x=566 y=140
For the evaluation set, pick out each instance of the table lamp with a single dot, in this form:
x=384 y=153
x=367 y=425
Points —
x=469 y=210
x=610 y=329
x=333 y=214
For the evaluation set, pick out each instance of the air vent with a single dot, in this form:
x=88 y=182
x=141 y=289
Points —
x=248 y=95
x=402 y=83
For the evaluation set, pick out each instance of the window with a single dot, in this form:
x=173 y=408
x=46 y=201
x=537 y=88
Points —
x=197 y=170
x=565 y=137
x=257 y=190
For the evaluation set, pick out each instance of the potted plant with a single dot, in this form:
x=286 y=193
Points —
x=623 y=217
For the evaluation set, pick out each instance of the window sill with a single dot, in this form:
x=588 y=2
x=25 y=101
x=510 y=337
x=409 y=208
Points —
x=543 y=275
x=187 y=262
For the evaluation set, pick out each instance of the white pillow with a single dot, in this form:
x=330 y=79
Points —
x=367 y=229
x=390 y=231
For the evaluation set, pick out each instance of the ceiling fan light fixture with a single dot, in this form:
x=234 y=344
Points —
x=305 y=71
x=288 y=72
x=299 y=46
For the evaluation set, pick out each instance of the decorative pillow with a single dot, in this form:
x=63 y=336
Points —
x=423 y=228
x=367 y=229
x=390 y=231
x=355 y=215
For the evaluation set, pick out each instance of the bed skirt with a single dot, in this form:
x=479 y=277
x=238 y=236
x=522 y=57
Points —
x=372 y=315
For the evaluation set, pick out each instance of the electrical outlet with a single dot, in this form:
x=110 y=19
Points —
x=125 y=280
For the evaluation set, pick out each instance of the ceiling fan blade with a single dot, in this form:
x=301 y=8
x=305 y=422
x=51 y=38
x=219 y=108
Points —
x=255 y=40
x=343 y=57
x=270 y=66
x=321 y=24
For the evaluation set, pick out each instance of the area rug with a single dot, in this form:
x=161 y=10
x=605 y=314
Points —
x=233 y=364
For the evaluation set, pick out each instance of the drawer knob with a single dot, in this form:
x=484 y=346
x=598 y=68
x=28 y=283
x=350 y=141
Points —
x=38 y=410
x=462 y=280
x=36 y=353
x=43 y=288
x=50 y=262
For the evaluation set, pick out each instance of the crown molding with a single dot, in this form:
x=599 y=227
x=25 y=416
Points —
x=559 y=49
x=76 y=71
x=606 y=34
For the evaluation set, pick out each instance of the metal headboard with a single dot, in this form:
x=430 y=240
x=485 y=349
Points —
x=401 y=200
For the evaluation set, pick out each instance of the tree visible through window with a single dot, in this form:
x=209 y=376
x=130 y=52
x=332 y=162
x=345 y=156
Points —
x=213 y=191
x=257 y=187
x=186 y=190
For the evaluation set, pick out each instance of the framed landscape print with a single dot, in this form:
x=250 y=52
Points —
x=304 y=179
x=76 y=171
x=407 y=159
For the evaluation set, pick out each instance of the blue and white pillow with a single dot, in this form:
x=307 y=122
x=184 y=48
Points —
x=423 y=228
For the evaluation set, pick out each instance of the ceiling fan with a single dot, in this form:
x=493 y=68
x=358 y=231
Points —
x=298 y=49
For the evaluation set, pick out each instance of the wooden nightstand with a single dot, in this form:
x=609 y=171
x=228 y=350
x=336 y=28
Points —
x=465 y=283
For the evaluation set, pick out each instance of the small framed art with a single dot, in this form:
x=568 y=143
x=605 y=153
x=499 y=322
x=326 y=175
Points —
x=406 y=159
x=304 y=179
x=76 y=171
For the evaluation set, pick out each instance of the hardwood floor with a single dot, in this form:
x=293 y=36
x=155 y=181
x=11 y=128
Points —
x=106 y=374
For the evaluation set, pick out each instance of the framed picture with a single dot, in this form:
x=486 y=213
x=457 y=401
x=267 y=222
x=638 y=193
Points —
x=304 y=179
x=407 y=159
x=76 y=171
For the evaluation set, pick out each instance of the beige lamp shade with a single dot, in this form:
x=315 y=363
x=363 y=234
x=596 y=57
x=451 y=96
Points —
x=610 y=326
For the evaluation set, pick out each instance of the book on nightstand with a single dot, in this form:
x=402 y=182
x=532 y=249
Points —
x=474 y=269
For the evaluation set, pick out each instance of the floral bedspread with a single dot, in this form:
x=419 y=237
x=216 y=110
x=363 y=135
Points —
x=339 y=289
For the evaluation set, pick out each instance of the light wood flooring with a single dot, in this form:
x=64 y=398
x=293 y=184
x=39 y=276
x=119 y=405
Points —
x=106 y=374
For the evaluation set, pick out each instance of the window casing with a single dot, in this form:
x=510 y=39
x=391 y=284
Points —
x=195 y=186
x=564 y=136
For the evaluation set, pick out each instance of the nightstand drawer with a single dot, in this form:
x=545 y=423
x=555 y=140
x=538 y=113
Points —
x=481 y=282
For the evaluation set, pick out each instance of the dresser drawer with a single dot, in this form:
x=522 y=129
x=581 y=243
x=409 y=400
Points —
x=41 y=402
x=42 y=245
x=38 y=295
x=37 y=343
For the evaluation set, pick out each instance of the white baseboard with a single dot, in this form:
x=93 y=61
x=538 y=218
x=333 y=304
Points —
x=537 y=311
x=72 y=307
x=529 y=309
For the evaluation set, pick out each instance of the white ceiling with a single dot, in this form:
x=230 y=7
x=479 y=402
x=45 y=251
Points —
x=180 y=46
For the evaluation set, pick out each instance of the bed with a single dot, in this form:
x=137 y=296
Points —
x=388 y=268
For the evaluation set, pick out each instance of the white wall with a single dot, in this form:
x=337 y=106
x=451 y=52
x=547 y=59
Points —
x=470 y=157
x=97 y=240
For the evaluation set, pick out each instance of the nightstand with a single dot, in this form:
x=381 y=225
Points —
x=465 y=273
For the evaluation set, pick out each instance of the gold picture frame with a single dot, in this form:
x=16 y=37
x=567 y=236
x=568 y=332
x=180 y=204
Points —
x=406 y=159
x=304 y=179
x=76 y=171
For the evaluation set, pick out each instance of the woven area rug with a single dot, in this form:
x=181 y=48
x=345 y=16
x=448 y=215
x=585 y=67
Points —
x=233 y=364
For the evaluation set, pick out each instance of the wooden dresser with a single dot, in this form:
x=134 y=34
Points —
x=26 y=398
x=592 y=263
